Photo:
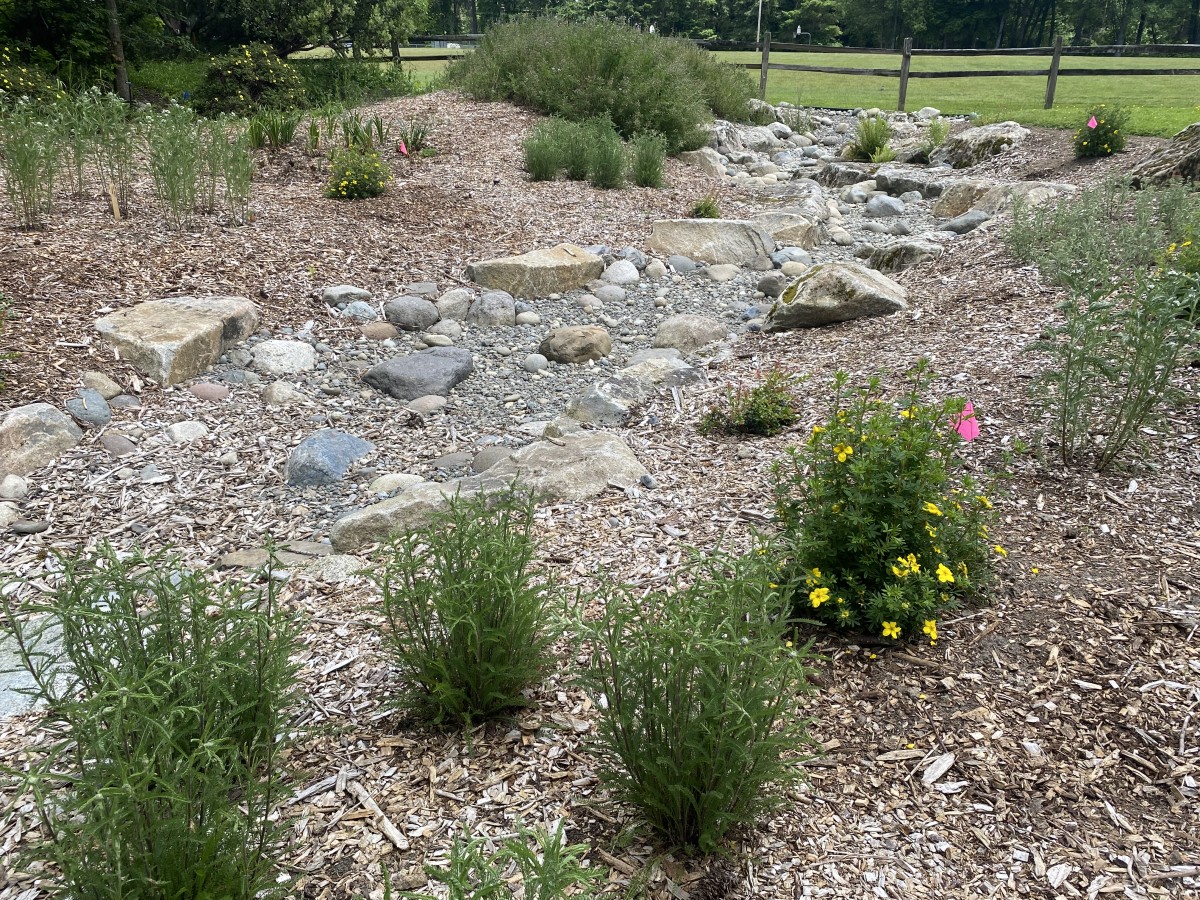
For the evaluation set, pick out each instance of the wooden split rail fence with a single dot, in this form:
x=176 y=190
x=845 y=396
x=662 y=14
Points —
x=906 y=54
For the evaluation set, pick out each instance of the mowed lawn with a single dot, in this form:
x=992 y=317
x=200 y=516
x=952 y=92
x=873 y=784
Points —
x=1158 y=104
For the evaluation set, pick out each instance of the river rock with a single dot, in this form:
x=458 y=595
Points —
x=410 y=313
x=959 y=196
x=968 y=221
x=576 y=344
x=493 y=309
x=900 y=255
x=689 y=332
x=89 y=408
x=706 y=159
x=324 y=458
x=538 y=273
x=433 y=371
x=608 y=403
x=621 y=272
x=337 y=294
x=835 y=292
x=33 y=436
x=101 y=383
x=454 y=304
x=279 y=357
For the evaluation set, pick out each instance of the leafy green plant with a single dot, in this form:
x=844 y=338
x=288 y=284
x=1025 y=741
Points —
x=356 y=133
x=247 y=79
x=352 y=83
x=1111 y=365
x=174 y=151
x=885 y=537
x=696 y=691
x=935 y=135
x=1103 y=132
x=279 y=127
x=468 y=625
x=603 y=69
x=872 y=137
x=415 y=133
x=20 y=79
x=356 y=173
x=1179 y=274
x=381 y=130
x=549 y=868
x=765 y=409
x=705 y=208
x=29 y=160
x=606 y=163
x=167 y=696
x=118 y=136
x=256 y=133
x=235 y=166
x=312 y=137
x=647 y=151
x=76 y=136
x=542 y=149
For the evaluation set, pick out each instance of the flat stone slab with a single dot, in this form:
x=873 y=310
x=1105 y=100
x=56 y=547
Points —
x=174 y=340
x=538 y=273
x=420 y=374
x=711 y=240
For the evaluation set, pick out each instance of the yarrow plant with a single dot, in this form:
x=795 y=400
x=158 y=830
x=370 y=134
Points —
x=883 y=536
x=355 y=173
x=1103 y=133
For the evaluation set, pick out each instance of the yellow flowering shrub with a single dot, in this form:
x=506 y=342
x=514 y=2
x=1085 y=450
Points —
x=883 y=534
x=1108 y=135
x=247 y=79
x=19 y=78
x=355 y=173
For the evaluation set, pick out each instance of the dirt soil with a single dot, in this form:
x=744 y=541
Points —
x=1070 y=703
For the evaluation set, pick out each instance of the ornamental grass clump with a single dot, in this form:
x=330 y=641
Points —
x=884 y=536
x=764 y=410
x=647 y=157
x=175 y=146
x=1103 y=132
x=469 y=619
x=29 y=159
x=167 y=696
x=356 y=173
x=606 y=162
x=543 y=150
x=697 y=692
x=871 y=140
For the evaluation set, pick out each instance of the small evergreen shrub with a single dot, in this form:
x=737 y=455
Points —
x=648 y=152
x=167 y=697
x=606 y=165
x=885 y=538
x=247 y=79
x=356 y=173
x=765 y=409
x=872 y=137
x=468 y=624
x=705 y=208
x=1106 y=136
x=696 y=691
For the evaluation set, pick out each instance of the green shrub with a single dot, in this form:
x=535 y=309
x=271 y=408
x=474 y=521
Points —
x=168 y=79
x=351 y=82
x=117 y=137
x=574 y=149
x=166 y=696
x=872 y=137
x=1106 y=137
x=765 y=409
x=415 y=133
x=279 y=127
x=20 y=78
x=29 y=159
x=247 y=79
x=174 y=143
x=705 y=208
x=883 y=539
x=1111 y=365
x=935 y=135
x=468 y=626
x=542 y=153
x=606 y=163
x=602 y=69
x=696 y=689
x=648 y=151
x=356 y=173
x=1179 y=274
x=550 y=869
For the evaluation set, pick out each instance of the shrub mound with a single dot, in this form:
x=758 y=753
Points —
x=1103 y=133
x=247 y=79
x=640 y=81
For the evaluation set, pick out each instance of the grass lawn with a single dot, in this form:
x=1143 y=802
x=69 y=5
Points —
x=1158 y=104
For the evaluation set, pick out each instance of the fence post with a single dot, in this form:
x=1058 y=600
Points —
x=905 y=62
x=766 y=59
x=1052 y=81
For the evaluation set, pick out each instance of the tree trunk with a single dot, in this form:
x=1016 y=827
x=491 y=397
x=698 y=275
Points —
x=474 y=17
x=1194 y=23
x=117 y=47
x=1000 y=29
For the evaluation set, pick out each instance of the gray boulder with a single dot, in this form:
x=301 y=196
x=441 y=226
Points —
x=494 y=308
x=968 y=221
x=337 y=294
x=621 y=272
x=454 y=304
x=791 y=228
x=639 y=259
x=711 y=240
x=900 y=255
x=1177 y=160
x=689 y=332
x=325 y=457
x=773 y=284
x=966 y=148
x=433 y=371
x=959 y=196
x=33 y=436
x=835 y=292
x=609 y=402
x=706 y=159
x=411 y=313
x=539 y=273
x=576 y=344
x=881 y=206
x=276 y=357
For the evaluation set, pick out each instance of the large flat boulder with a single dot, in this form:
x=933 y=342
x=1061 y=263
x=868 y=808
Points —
x=1028 y=193
x=538 y=273
x=959 y=196
x=577 y=466
x=176 y=339
x=420 y=374
x=712 y=240
x=896 y=256
x=33 y=436
x=973 y=145
x=687 y=332
x=790 y=228
x=835 y=292
x=1179 y=159
x=706 y=159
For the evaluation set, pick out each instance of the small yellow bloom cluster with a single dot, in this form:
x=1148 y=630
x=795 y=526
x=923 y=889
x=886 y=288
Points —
x=818 y=596
x=891 y=630
x=843 y=452
x=908 y=565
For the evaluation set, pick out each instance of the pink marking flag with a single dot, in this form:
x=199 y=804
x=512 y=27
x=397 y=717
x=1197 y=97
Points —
x=966 y=424
x=403 y=149
x=1092 y=122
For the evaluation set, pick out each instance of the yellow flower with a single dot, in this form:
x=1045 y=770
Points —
x=931 y=629
x=812 y=578
x=818 y=596
x=930 y=530
x=891 y=630
x=1034 y=570
x=843 y=451
x=931 y=508
x=772 y=585
x=1000 y=550
x=817 y=429
x=908 y=566
x=906 y=413
x=944 y=574
x=983 y=501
